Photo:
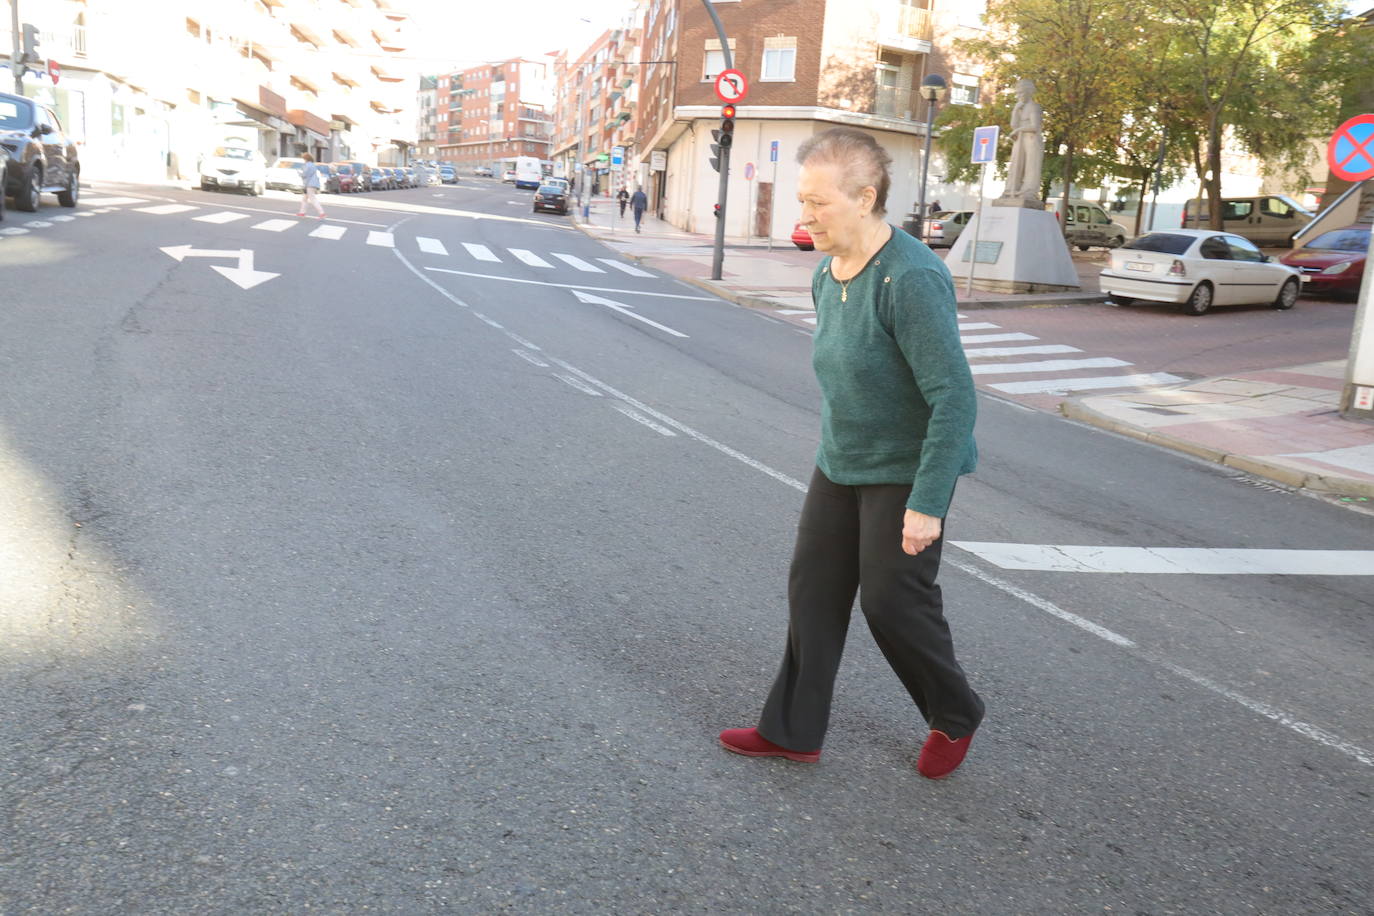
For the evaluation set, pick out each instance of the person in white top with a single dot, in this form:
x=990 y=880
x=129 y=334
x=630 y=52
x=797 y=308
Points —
x=310 y=179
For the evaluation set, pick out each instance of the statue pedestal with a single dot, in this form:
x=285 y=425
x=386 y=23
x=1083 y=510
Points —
x=1020 y=250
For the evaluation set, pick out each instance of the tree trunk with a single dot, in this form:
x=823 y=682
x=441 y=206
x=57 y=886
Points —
x=1068 y=187
x=1140 y=207
x=1213 y=180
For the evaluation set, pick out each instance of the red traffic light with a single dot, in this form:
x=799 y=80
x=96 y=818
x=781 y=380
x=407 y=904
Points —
x=727 y=111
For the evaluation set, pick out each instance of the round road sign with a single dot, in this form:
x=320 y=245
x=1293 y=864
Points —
x=749 y=171
x=1350 y=154
x=731 y=86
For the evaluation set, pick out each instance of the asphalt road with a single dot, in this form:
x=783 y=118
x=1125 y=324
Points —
x=406 y=581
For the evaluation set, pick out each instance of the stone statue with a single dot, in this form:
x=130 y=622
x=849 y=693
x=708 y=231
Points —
x=1027 y=151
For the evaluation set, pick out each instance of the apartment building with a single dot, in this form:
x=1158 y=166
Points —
x=146 y=94
x=488 y=115
x=811 y=64
x=426 y=118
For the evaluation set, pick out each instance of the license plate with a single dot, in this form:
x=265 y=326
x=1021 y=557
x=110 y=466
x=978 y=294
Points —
x=1143 y=266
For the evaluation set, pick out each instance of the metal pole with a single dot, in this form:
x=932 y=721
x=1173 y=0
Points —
x=17 y=73
x=773 y=204
x=718 y=249
x=977 y=228
x=925 y=171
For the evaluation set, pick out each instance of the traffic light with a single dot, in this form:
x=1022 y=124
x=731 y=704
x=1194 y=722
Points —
x=715 y=148
x=30 y=46
x=716 y=211
x=727 y=125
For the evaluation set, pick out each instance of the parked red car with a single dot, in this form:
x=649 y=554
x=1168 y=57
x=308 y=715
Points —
x=802 y=239
x=1333 y=262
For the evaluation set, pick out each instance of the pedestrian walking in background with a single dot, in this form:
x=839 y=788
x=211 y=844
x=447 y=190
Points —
x=934 y=208
x=624 y=197
x=639 y=202
x=310 y=180
x=897 y=414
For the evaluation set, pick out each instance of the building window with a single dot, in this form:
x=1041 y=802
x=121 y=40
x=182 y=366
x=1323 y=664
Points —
x=779 y=59
x=963 y=90
x=714 y=60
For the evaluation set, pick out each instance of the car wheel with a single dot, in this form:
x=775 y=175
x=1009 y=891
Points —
x=26 y=198
x=1115 y=241
x=259 y=189
x=1114 y=299
x=1288 y=295
x=68 y=196
x=1083 y=247
x=1200 y=301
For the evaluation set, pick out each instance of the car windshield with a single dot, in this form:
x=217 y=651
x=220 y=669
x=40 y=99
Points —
x=550 y=189
x=15 y=115
x=232 y=152
x=1341 y=240
x=1162 y=242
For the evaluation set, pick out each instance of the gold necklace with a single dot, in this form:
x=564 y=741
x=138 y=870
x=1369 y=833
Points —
x=844 y=284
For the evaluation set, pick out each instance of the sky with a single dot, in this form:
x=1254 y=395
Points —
x=463 y=33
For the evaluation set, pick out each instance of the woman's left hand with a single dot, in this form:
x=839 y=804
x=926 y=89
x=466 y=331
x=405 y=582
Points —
x=919 y=532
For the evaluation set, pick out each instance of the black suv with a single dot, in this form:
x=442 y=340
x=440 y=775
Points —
x=37 y=156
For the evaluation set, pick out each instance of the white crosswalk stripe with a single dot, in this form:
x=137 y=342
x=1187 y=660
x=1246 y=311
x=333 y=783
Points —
x=112 y=201
x=625 y=268
x=1064 y=385
x=381 y=239
x=529 y=257
x=994 y=338
x=976 y=326
x=164 y=209
x=332 y=233
x=1048 y=365
x=224 y=216
x=990 y=352
x=275 y=225
x=431 y=246
x=578 y=263
x=480 y=252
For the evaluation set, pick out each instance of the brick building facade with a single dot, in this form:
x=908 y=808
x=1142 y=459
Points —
x=488 y=115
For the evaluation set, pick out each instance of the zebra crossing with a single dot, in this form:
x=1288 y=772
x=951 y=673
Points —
x=333 y=232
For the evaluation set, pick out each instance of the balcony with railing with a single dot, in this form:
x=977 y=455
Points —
x=908 y=28
x=896 y=102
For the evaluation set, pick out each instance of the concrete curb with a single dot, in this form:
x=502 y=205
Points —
x=1288 y=476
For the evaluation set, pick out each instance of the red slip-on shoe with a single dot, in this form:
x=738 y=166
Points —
x=942 y=754
x=750 y=743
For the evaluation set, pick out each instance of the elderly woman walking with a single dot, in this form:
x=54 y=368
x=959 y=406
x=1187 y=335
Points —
x=310 y=182
x=897 y=412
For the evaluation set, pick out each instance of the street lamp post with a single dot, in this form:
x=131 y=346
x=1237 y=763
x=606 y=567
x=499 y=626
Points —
x=932 y=90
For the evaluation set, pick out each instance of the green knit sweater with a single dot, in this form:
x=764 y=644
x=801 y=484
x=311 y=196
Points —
x=897 y=398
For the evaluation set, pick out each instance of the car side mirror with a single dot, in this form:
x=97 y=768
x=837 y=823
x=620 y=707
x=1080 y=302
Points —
x=1266 y=258
x=42 y=130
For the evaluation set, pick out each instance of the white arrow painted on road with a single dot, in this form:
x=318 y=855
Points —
x=1200 y=561
x=623 y=309
x=244 y=276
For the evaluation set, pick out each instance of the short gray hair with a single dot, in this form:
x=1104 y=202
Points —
x=862 y=161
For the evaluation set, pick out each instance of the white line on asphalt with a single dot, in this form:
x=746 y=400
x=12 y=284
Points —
x=977 y=326
x=430 y=246
x=332 y=233
x=332 y=219
x=274 y=225
x=1206 y=561
x=14 y=230
x=490 y=321
x=529 y=357
x=1049 y=365
x=994 y=338
x=638 y=417
x=1062 y=385
x=224 y=216
x=62 y=218
x=165 y=209
x=480 y=252
x=796 y=311
x=85 y=213
x=626 y=310
x=987 y=352
x=38 y=224
x=625 y=268
x=529 y=257
x=578 y=384
x=381 y=239
x=112 y=201
x=595 y=289
x=523 y=342
x=577 y=262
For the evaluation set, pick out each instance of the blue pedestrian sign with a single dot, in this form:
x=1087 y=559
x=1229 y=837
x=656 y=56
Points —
x=985 y=144
x=617 y=156
x=773 y=151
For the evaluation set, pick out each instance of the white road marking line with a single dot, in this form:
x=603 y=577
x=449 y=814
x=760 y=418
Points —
x=14 y=230
x=1207 y=561
x=625 y=268
x=638 y=417
x=381 y=239
x=626 y=310
x=112 y=201
x=224 y=216
x=1049 y=365
x=994 y=338
x=38 y=224
x=274 y=225
x=529 y=357
x=62 y=219
x=523 y=342
x=481 y=252
x=431 y=246
x=1062 y=385
x=796 y=311
x=332 y=233
x=165 y=209
x=599 y=289
x=492 y=322
x=977 y=326
x=578 y=384
x=86 y=213
x=529 y=257
x=987 y=352
x=574 y=261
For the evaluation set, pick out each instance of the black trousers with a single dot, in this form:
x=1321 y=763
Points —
x=850 y=540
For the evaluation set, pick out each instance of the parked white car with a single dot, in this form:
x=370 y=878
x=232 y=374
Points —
x=1197 y=269
x=235 y=168
x=285 y=175
x=944 y=227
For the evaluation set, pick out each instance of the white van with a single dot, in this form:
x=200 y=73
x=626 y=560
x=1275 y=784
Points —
x=1265 y=219
x=529 y=173
x=1086 y=224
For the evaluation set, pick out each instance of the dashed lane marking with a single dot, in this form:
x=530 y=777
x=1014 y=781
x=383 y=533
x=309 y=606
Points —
x=332 y=233
x=994 y=338
x=275 y=225
x=574 y=261
x=224 y=216
x=1049 y=365
x=989 y=352
x=529 y=257
x=431 y=246
x=481 y=252
x=165 y=209
x=1065 y=385
x=625 y=268
x=381 y=239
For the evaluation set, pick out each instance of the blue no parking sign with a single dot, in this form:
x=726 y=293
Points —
x=1350 y=154
x=985 y=144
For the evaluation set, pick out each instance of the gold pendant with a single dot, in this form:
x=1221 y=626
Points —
x=844 y=295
